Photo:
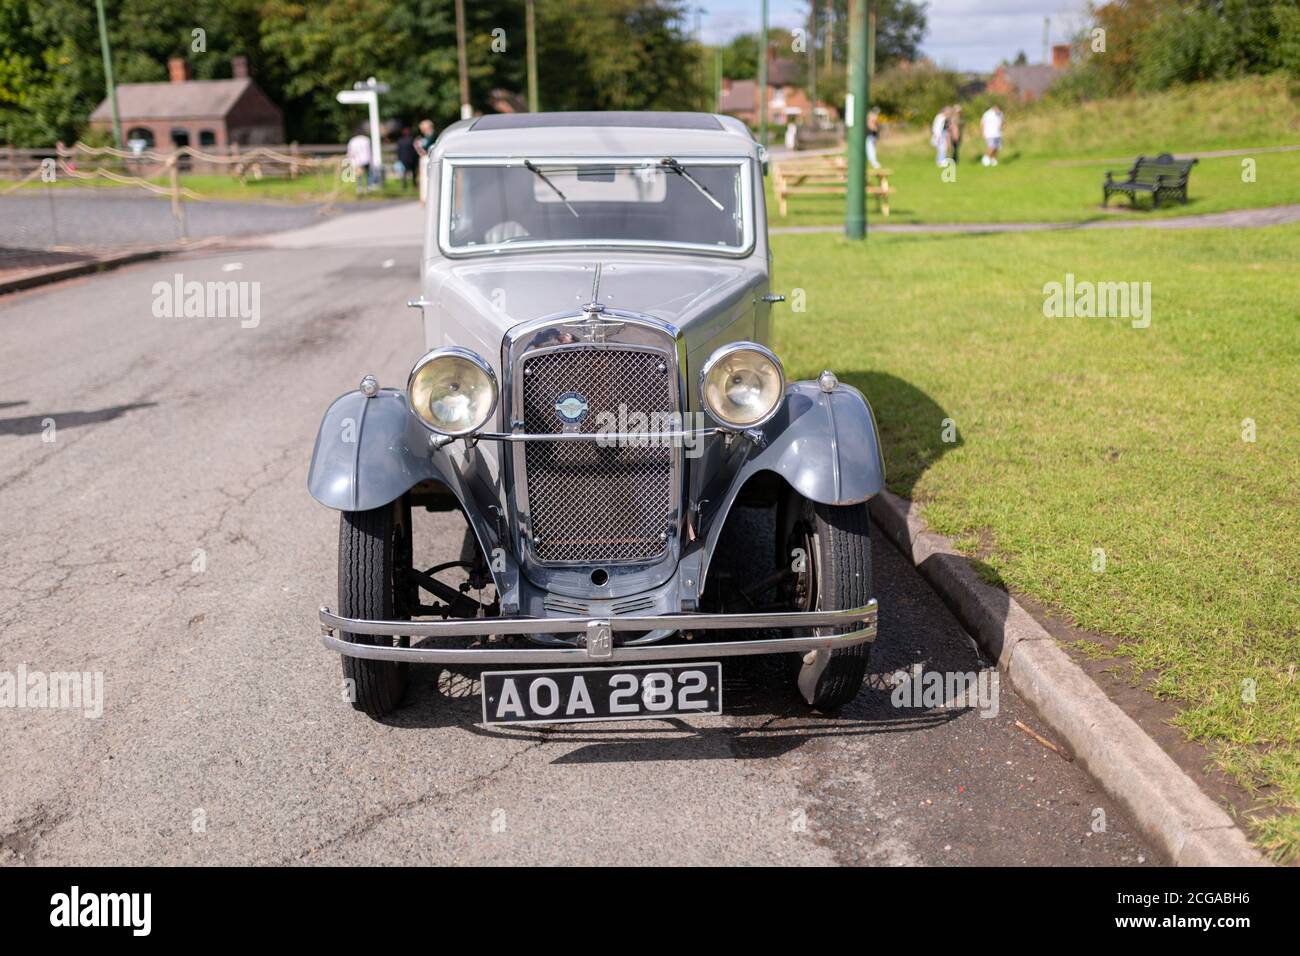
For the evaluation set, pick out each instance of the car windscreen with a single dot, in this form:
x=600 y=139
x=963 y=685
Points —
x=658 y=201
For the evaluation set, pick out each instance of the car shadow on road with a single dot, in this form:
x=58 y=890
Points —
x=35 y=424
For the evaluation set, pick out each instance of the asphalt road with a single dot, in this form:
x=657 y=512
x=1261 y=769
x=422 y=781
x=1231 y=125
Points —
x=165 y=539
x=117 y=218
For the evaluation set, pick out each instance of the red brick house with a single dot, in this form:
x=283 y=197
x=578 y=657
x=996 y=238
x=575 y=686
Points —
x=186 y=112
x=787 y=101
x=1031 y=80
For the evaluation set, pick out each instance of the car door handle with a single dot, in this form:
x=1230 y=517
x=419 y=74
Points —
x=419 y=303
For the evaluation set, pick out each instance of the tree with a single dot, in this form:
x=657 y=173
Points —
x=1151 y=44
x=618 y=55
x=900 y=28
x=740 y=56
x=51 y=75
x=595 y=54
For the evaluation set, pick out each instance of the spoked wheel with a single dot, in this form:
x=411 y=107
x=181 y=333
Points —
x=374 y=553
x=828 y=547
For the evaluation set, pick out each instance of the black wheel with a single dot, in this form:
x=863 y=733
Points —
x=374 y=551
x=829 y=548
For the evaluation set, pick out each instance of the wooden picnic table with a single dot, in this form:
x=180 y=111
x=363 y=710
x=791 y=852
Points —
x=824 y=175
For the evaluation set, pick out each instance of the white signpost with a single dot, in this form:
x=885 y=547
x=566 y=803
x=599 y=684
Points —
x=367 y=94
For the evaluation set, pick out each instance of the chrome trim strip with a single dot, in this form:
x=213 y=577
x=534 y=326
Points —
x=332 y=624
x=481 y=626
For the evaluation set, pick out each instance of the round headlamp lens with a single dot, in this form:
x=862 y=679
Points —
x=453 y=391
x=743 y=385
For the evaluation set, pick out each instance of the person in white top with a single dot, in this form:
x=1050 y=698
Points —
x=991 y=128
x=359 y=159
x=939 y=136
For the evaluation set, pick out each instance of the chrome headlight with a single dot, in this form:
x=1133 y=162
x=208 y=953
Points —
x=452 y=391
x=742 y=384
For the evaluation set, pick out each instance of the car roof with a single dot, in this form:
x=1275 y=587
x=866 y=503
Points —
x=628 y=118
x=596 y=134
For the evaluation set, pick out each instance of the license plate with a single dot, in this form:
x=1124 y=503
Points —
x=570 y=695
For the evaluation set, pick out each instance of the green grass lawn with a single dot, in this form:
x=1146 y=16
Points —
x=1075 y=434
x=312 y=187
x=1029 y=189
x=1031 y=185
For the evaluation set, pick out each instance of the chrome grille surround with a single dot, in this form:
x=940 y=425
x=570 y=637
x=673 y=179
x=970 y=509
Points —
x=580 y=504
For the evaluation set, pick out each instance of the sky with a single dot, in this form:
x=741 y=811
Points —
x=962 y=34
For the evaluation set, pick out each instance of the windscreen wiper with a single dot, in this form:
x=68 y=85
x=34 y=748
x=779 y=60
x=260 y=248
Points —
x=532 y=168
x=680 y=170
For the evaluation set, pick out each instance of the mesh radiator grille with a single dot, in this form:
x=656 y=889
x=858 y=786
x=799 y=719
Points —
x=587 y=501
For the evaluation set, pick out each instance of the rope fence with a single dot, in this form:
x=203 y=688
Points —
x=91 y=165
x=51 y=211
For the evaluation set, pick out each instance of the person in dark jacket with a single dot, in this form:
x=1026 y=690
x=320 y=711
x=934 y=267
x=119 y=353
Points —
x=407 y=156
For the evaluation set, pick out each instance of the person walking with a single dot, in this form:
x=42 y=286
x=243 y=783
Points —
x=423 y=146
x=954 y=133
x=873 y=134
x=939 y=137
x=991 y=129
x=408 y=157
x=359 y=159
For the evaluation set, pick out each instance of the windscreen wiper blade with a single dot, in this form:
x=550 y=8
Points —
x=532 y=168
x=680 y=170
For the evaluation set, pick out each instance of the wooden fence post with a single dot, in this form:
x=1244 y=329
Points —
x=177 y=209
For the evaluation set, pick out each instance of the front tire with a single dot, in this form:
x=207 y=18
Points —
x=374 y=550
x=836 y=541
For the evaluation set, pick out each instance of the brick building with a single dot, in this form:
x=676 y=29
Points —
x=186 y=112
x=787 y=100
x=1031 y=80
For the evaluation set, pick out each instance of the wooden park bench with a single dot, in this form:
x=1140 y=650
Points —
x=1163 y=177
x=826 y=175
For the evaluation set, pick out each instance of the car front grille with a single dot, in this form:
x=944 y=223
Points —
x=588 y=502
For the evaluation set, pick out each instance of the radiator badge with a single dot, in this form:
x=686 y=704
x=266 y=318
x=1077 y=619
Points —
x=571 y=407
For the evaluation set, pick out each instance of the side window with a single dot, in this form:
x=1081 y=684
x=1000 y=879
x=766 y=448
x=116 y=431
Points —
x=207 y=137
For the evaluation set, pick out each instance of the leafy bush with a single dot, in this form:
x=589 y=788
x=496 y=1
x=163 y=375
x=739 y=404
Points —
x=1152 y=45
x=914 y=94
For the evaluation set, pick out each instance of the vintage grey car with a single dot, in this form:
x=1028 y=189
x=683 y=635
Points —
x=599 y=399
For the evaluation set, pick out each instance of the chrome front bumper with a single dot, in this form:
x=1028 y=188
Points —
x=598 y=645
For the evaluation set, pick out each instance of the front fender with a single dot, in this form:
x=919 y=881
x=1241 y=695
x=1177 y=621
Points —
x=370 y=451
x=824 y=444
